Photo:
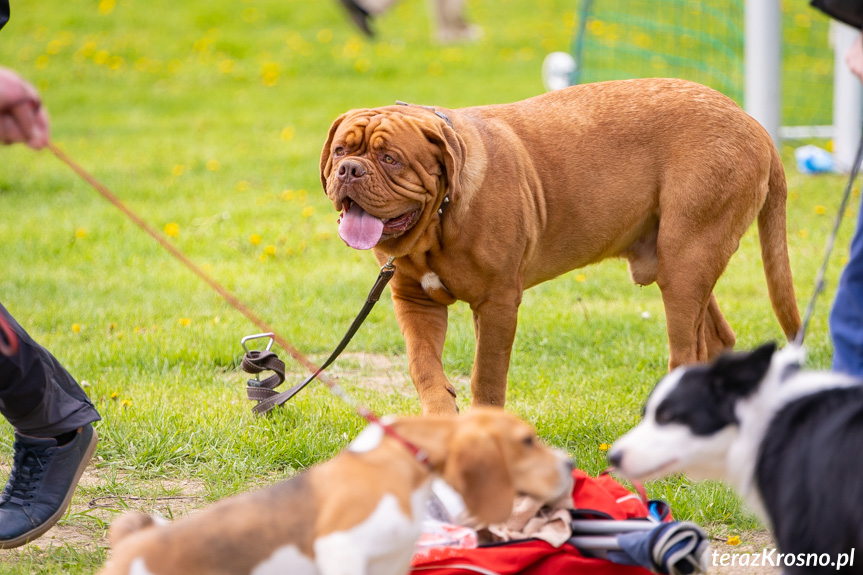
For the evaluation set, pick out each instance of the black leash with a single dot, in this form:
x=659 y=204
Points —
x=819 y=280
x=258 y=361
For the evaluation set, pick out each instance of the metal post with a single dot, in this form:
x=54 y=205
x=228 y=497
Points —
x=847 y=98
x=763 y=55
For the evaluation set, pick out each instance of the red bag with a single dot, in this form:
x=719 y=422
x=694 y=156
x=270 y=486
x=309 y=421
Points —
x=600 y=497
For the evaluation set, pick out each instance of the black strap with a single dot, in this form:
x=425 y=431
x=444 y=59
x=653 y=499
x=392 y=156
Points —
x=264 y=393
x=847 y=11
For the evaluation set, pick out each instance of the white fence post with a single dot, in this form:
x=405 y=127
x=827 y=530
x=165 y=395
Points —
x=763 y=62
x=847 y=98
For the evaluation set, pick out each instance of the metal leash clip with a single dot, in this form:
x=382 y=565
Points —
x=252 y=360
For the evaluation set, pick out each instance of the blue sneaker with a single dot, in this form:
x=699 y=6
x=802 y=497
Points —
x=40 y=487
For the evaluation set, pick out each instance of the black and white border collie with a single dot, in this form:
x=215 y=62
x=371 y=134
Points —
x=790 y=441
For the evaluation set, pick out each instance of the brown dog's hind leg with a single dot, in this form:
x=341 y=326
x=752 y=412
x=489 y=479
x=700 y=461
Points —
x=690 y=263
x=718 y=334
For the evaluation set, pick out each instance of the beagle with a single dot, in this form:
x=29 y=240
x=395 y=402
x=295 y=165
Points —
x=357 y=513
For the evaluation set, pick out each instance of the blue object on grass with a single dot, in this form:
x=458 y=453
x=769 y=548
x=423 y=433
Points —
x=814 y=160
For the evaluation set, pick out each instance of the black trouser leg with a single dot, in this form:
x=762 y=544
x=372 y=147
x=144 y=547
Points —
x=37 y=395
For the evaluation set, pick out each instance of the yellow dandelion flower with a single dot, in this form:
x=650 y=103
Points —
x=803 y=234
x=308 y=211
x=80 y=233
x=251 y=15
x=255 y=239
x=287 y=134
x=172 y=230
x=53 y=47
x=42 y=62
x=435 y=69
x=323 y=236
x=820 y=210
x=106 y=6
x=363 y=64
x=324 y=35
x=243 y=186
x=101 y=57
x=226 y=66
x=116 y=62
x=115 y=395
x=142 y=64
x=185 y=321
x=213 y=165
x=270 y=250
x=733 y=540
x=581 y=278
x=604 y=447
x=88 y=49
x=126 y=403
x=263 y=257
x=270 y=74
x=76 y=327
x=178 y=170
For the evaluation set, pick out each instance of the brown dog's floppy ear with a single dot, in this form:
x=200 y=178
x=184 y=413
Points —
x=326 y=157
x=453 y=151
x=477 y=468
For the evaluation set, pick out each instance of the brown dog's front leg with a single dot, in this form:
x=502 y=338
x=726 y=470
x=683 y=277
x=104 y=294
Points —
x=494 y=325
x=423 y=323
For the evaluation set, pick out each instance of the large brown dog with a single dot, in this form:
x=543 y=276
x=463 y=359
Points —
x=479 y=204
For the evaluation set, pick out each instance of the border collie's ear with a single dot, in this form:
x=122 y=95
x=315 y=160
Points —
x=742 y=373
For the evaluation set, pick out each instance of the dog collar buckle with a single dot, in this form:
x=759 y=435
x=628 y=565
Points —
x=443 y=206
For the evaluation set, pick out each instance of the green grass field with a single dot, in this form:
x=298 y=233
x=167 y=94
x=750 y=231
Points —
x=207 y=118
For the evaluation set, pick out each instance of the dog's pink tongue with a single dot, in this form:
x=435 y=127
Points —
x=359 y=229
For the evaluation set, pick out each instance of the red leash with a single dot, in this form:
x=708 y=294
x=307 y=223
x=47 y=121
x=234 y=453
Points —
x=9 y=347
x=363 y=411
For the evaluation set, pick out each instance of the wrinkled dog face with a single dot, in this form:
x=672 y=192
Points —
x=383 y=169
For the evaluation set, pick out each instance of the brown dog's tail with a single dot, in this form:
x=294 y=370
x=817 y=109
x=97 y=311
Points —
x=128 y=523
x=774 y=250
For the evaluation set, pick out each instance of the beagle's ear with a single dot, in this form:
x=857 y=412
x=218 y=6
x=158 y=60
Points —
x=326 y=156
x=477 y=468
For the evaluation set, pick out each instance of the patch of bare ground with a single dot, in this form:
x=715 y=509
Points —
x=85 y=524
x=374 y=371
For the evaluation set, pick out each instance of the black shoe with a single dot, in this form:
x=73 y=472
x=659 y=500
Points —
x=40 y=487
x=359 y=15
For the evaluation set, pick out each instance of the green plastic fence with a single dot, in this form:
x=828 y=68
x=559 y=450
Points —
x=702 y=40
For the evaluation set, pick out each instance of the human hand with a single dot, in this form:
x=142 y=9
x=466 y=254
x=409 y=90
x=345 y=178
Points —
x=22 y=116
x=854 y=57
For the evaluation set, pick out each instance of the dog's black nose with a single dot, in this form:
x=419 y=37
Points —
x=570 y=464
x=350 y=170
x=615 y=458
